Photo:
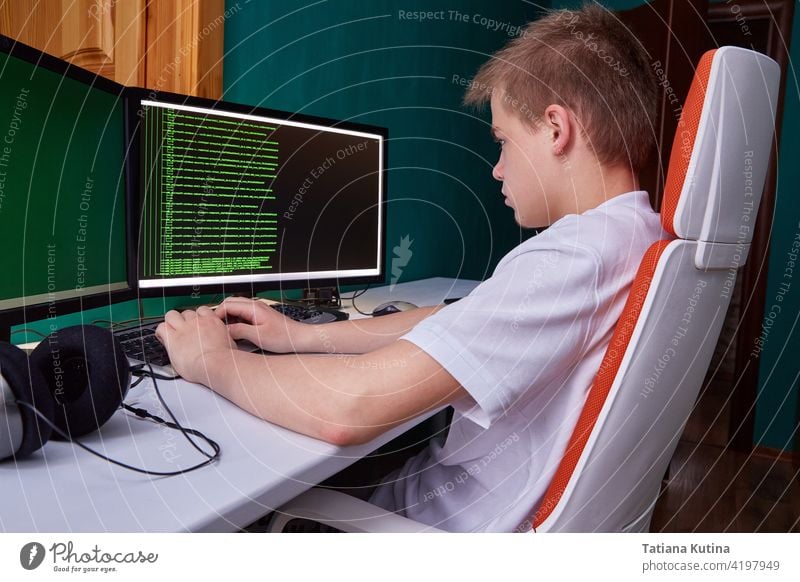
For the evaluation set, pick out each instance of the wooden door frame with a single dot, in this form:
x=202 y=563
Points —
x=677 y=33
x=753 y=276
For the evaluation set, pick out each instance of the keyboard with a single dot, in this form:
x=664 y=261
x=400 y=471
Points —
x=140 y=343
x=309 y=314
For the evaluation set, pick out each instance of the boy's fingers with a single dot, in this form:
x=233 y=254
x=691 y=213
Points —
x=204 y=311
x=242 y=311
x=173 y=318
x=241 y=300
x=161 y=332
x=243 y=331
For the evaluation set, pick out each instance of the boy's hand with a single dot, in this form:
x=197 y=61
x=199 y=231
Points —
x=262 y=325
x=189 y=337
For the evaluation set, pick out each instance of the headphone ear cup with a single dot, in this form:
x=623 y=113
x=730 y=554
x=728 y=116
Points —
x=25 y=384
x=87 y=374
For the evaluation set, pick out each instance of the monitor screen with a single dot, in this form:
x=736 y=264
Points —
x=256 y=198
x=62 y=191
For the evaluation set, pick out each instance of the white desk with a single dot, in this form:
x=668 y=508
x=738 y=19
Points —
x=64 y=489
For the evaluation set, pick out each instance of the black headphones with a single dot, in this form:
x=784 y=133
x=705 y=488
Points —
x=74 y=380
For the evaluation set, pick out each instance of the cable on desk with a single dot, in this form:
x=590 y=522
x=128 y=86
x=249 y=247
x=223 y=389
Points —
x=174 y=424
x=29 y=330
x=359 y=294
x=139 y=371
x=112 y=325
x=143 y=414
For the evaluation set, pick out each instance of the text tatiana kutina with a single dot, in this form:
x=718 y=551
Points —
x=684 y=549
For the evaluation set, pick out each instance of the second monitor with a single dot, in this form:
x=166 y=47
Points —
x=232 y=197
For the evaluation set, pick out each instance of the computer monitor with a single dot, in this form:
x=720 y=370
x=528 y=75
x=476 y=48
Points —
x=233 y=197
x=62 y=187
x=107 y=192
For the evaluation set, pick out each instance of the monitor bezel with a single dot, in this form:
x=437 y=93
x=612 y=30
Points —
x=55 y=308
x=135 y=99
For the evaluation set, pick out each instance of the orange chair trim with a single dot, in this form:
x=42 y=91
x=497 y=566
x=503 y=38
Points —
x=602 y=382
x=683 y=144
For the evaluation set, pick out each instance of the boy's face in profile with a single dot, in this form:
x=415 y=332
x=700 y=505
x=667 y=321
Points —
x=527 y=166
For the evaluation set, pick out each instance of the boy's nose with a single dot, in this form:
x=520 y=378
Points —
x=497 y=171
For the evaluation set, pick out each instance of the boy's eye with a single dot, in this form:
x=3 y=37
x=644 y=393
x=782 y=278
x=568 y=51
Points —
x=500 y=142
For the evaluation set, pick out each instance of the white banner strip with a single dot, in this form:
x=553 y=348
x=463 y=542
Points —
x=389 y=557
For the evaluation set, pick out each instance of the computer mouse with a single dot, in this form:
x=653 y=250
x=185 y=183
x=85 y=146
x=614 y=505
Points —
x=392 y=307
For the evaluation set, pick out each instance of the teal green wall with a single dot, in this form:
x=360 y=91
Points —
x=364 y=62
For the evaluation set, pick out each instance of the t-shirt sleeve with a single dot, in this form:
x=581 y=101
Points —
x=518 y=333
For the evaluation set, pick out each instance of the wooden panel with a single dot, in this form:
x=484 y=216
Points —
x=761 y=25
x=676 y=32
x=209 y=58
x=164 y=45
x=87 y=35
x=130 y=18
x=104 y=36
x=38 y=25
x=184 y=46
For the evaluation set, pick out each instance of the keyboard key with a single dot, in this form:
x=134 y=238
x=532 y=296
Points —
x=142 y=344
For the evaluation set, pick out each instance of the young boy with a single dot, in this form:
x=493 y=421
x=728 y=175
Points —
x=572 y=103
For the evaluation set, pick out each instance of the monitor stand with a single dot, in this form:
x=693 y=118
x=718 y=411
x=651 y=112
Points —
x=327 y=297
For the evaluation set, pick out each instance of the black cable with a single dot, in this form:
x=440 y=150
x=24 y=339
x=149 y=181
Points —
x=139 y=380
x=141 y=413
x=153 y=376
x=139 y=371
x=361 y=312
x=357 y=293
x=29 y=330
x=353 y=299
x=144 y=414
x=64 y=435
x=114 y=325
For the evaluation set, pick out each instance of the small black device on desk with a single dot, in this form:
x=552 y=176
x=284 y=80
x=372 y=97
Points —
x=392 y=307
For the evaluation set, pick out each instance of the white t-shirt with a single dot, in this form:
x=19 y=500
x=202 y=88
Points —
x=526 y=345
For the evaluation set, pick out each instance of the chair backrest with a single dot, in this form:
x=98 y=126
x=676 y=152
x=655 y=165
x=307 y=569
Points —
x=609 y=477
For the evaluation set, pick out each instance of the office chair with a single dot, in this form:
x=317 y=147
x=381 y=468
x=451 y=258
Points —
x=610 y=474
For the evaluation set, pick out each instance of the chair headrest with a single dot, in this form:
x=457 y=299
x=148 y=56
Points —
x=721 y=150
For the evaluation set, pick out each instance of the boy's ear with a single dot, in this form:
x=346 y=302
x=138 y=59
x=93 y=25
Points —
x=560 y=127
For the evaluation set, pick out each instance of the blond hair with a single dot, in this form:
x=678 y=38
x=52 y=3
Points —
x=587 y=61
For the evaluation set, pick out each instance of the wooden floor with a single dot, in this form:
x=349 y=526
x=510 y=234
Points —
x=711 y=488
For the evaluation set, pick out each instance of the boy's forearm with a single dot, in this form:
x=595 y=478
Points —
x=343 y=400
x=285 y=390
x=359 y=336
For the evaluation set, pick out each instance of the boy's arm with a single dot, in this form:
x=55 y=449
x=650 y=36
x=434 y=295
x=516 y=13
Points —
x=340 y=399
x=275 y=332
